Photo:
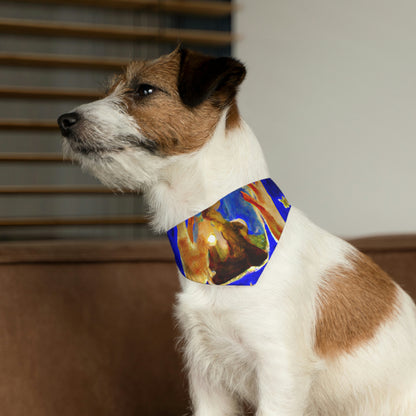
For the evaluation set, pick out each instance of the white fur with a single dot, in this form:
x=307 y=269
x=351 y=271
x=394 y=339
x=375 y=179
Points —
x=173 y=196
x=108 y=121
x=257 y=343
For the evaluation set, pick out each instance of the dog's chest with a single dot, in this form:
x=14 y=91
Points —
x=215 y=342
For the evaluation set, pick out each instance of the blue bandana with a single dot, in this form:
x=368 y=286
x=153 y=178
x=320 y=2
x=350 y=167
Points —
x=231 y=242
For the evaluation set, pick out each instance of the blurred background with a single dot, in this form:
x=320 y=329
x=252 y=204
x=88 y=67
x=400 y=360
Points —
x=330 y=93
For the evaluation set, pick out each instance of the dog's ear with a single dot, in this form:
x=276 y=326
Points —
x=202 y=77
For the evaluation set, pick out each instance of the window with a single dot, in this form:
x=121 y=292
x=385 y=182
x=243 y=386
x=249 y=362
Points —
x=55 y=55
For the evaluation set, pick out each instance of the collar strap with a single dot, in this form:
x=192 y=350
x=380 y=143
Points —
x=231 y=242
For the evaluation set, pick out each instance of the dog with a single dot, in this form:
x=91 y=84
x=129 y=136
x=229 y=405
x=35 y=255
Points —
x=324 y=331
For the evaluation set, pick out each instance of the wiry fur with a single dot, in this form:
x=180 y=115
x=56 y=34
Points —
x=255 y=344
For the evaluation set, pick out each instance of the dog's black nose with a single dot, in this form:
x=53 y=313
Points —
x=67 y=121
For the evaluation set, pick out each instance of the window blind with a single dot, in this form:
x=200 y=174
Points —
x=55 y=55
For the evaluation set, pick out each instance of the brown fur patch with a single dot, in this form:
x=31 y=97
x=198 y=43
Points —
x=353 y=303
x=233 y=116
x=162 y=117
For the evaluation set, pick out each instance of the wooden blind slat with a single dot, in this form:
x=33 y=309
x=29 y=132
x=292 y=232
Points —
x=28 y=125
x=67 y=221
x=58 y=29
x=58 y=190
x=48 y=93
x=56 y=61
x=31 y=157
x=202 y=8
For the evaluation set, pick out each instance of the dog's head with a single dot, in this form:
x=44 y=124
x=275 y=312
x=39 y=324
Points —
x=154 y=111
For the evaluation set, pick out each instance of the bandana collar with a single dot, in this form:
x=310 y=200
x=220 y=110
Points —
x=231 y=242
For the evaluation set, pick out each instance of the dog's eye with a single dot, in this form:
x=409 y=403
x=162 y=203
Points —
x=143 y=90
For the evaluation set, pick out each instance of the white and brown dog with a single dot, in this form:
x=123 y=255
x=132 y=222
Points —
x=324 y=331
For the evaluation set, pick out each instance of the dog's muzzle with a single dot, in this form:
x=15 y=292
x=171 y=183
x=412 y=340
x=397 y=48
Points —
x=67 y=123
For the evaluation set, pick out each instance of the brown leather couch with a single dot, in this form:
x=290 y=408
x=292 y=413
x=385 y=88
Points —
x=86 y=328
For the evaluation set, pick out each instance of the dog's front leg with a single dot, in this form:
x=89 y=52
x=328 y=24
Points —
x=210 y=399
x=283 y=386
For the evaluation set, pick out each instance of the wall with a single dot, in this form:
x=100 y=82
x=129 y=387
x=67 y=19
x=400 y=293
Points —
x=331 y=95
